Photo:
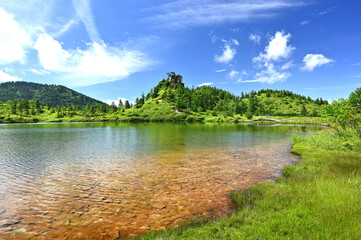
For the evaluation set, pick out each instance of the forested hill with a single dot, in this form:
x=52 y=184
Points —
x=208 y=99
x=53 y=95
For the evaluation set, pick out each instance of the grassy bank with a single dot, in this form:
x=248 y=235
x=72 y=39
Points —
x=318 y=198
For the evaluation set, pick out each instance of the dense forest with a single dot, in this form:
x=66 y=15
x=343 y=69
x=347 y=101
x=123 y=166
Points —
x=170 y=100
x=53 y=95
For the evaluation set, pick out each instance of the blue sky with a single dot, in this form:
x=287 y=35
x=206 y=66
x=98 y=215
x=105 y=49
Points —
x=118 y=49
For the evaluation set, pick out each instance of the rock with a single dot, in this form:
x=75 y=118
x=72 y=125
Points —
x=2 y=211
x=9 y=224
x=159 y=205
x=20 y=230
x=175 y=188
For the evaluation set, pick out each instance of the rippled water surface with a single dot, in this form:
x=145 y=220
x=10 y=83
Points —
x=116 y=180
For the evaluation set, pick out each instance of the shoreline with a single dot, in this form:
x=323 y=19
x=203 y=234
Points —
x=281 y=209
x=235 y=121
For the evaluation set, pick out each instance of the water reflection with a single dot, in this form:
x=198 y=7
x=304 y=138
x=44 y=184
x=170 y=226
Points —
x=109 y=180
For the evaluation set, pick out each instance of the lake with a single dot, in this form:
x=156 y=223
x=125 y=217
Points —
x=118 y=180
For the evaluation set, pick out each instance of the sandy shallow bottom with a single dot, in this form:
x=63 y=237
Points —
x=127 y=200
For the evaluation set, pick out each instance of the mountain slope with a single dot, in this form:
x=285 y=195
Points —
x=55 y=95
x=207 y=100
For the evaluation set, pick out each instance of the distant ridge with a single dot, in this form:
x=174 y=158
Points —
x=55 y=95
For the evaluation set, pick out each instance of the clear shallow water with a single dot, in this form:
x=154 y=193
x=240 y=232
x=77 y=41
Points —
x=109 y=180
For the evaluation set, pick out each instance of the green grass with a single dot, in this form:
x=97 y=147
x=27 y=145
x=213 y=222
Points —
x=318 y=198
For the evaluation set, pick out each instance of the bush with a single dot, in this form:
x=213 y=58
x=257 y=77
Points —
x=190 y=118
x=249 y=115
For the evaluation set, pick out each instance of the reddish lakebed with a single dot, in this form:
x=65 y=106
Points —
x=115 y=181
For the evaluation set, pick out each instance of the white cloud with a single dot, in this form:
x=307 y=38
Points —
x=322 y=13
x=40 y=72
x=97 y=64
x=14 y=40
x=303 y=23
x=205 y=84
x=4 y=77
x=84 y=11
x=228 y=52
x=109 y=102
x=188 y=13
x=287 y=65
x=314 y=60
x=277 y=48
x=233 y=74
x=66 y=27
x=36 y=16
x=356 y=64
x=270 y=75
x=221 y=70
x=235 y=42
x=254 y=37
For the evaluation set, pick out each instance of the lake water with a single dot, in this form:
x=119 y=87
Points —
x=117 y=180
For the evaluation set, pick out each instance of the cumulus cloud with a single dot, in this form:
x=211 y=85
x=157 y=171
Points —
x=277 y=48
x=314 y=60
x=5 y=77
x=270 y=75
x=228 y=52
x=254 y=37
x=97 y=64
x=205 y=84
x=287 y=65
x=14 y=40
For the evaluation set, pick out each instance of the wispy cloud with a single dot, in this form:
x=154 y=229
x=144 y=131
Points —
x=99 y=63
x=66 y=27
x=36 y=16
x=96 y=62
x=356 y=64
x=221 y=70
x=325 y=12
x=287 y=65
x=84 y=11
x=303 y=23
x=187 y=13
x=254 y=37
x=330 y=88
x=233 y=74
x=40 y=72
x=205 y=84
x=5 y=77
x=312 y=61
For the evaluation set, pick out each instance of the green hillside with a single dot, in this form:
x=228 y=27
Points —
x=55 y=95
x=170 y=100
x=207 y=100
